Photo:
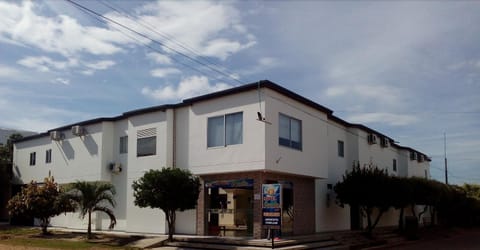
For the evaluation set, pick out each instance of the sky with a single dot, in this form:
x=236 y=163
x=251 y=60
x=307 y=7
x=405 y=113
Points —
x=408 y=69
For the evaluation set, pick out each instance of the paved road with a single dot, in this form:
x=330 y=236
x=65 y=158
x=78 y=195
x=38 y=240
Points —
x=460 y=240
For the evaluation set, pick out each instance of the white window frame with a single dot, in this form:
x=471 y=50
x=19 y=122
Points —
x=289 y=142
x=123 y=145
x=48 y=156
x=146 y=136
x=226 y=139
x=33 y=156
x=341 y=149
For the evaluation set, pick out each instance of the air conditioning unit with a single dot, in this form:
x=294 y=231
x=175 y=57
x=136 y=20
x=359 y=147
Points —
x=57 y=135
x=413 y=155
x=372 y=139
x=384 y=142
x=78 y=130
x=115 y=168
x=420 y=158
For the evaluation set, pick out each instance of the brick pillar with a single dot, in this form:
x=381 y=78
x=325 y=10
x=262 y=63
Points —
x=257 y=206
x=201 y=210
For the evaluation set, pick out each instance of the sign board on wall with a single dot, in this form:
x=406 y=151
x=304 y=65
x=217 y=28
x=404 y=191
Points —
x=272 y=204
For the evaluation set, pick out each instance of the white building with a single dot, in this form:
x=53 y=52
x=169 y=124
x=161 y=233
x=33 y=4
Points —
x=235 y=140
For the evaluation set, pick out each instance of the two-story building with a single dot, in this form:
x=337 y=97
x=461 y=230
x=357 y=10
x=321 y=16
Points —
x=235 y=140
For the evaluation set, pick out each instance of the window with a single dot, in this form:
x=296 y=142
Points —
x=341 y=151
x=290 y=132
x=48 y=156
x=123 y=144
x=394 y=164
x=32 y=158
x=225 y=130
x=147 y=142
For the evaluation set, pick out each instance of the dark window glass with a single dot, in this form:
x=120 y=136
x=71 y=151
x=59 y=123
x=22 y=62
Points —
x=225 y=130
x=290 y=132
x=33 y=155
x=147 y=146
x=341 y=149
x=123 y=144
x=48 y=156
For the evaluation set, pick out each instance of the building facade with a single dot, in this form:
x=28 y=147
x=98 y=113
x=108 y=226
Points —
x=235 y=140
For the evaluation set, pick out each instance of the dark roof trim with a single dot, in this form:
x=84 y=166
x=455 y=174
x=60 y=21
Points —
x=256 y=85
x=240 y=89
x=369 y=130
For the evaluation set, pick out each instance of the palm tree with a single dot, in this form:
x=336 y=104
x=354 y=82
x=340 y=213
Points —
x=91 y=197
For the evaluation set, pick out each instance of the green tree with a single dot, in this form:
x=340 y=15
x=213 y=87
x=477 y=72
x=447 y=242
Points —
x=169 y=189
x=41 y=201
x=369 y=188
x=6 y=156
x=92 y=197
x=472 y=190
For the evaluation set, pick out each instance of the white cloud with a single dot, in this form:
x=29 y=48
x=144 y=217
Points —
x=62 y=81
x=383 y=94
x=268 y=62
x=163 y=72
x=60 y=34
x=8 y=72
x=223 y=48
x=43 y=63
x=468 y=64
x=159 y=58
x=197 y=27
x=188 y=87
x=100 y=65
x=386 y=118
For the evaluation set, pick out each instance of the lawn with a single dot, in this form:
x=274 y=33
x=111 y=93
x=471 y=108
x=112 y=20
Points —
x=28 y=237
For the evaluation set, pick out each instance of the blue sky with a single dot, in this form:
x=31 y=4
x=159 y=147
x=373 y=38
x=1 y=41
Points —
x=408 y=69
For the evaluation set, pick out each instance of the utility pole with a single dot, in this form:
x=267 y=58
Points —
x=445 y=153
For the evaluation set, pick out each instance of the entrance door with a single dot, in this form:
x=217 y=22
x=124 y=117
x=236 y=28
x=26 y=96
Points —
x=229 y=206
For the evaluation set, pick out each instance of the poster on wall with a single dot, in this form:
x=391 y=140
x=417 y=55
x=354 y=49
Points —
x=272 y=204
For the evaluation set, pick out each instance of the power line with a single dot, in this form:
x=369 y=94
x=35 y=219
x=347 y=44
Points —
x=146 y=45
x=153 y=40
x=163 y=35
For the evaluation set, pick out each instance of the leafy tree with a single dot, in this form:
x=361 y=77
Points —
x=92 y=197
x=368 y=188
x=41 y=201
x=6 y=156
x=169 y=189
x=472 y=190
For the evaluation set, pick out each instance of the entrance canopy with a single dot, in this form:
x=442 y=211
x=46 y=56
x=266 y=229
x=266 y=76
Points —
x=239 y=183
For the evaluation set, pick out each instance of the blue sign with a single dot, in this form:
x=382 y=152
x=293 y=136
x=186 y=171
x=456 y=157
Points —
x=272 y=216
x=272 y=195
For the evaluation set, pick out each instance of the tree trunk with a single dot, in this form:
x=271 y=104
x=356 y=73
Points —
x=380 y=213
x=89 y=229
x=421 y=213
x=44 y=226
x=432 y=216
x=171 y=223
x=400 y=220
x=413 y=210
x=368 y=212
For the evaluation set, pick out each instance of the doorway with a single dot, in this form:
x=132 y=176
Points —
x=229 y=207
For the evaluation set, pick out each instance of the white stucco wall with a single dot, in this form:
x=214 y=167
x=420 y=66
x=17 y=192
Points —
x=191 y=144
x=312 y=160
x=182 y=142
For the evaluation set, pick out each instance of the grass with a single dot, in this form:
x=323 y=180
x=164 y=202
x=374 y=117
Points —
x=31 y=237
x=57 y=244
x=19 y=231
